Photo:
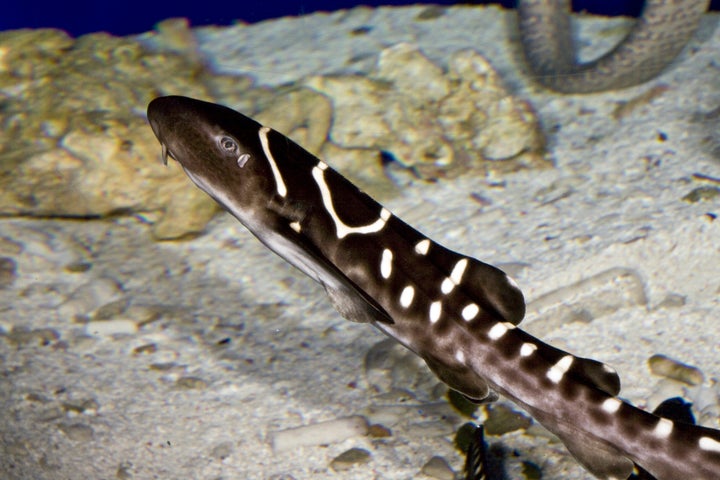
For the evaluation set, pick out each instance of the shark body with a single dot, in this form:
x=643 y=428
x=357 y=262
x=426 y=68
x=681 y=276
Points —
x=459 y=314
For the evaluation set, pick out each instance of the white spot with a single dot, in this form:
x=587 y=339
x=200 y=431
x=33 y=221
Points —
x=279 y=183
x=460 y=356
x=386 y=263
x=557 y=371
x=527 y=349
x=455 y=276
x=497 y=331
x=406 y=297
x=708 y=444
x=422 y=247
x=458 y=270
x=435 y=311
x=343 y=230
x=447 y=286
x=611 y=405
x=470 y=311
x=243 y=159
x=664 y=428
x=296 y=226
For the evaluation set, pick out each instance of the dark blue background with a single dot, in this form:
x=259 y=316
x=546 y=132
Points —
x=123 y=17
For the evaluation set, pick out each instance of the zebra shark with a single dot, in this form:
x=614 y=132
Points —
x=458 y=314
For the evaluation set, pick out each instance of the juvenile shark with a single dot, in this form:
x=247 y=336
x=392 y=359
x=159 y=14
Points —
x=460 y=315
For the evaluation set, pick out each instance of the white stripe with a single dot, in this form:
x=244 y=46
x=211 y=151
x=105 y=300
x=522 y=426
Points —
x=497 y=331
x=447 y=286
x=470 y=311
x=709 y=445
x=281 y=188
x=557 y=371
x=343 y=230
x=460 y=356
x=458 y=270
x=406 y=297
x=435 y=311
x=611 y=405
x=527 y=349
x=664 y=428
x=386 y=263
x=422 y=247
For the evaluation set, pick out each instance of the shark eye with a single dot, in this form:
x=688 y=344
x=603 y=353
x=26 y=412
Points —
x=243 y=159
x=229 y=145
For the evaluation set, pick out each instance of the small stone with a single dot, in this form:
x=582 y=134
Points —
x=379 y=431
x=502 y=419
x=701 y=193
x=667 y=367
x=77 y=431
x=222 y=450
x=124 y=471
x=107 y=328
x=323 y=433
x=147 y=348
x=438 y=467
x=22 y=336
x=191 y=383
x=8 y=272
x=350 y=458
x=672 y=300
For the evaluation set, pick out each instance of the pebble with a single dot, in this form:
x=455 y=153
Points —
x=39 y=336
x=77 y=431
x=667 y=367
x=106 y=328
x=89 y=297
x=222 y=450
x=191 y=383
x=323 y=433
x=502 y=419
x=438 y=467
x=8 y=271
x=350 y=458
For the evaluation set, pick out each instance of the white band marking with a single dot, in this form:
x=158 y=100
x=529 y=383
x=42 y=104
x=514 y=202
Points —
x=709 y=445
x=557 y=371
x=611 y=405
x=406 y=297
x=422 y=247
x=435 y=311
x=455 y=276
x=497 y=331
x=386 y=263
x=527 y=349
x=344 y=230
x=664 y=428
x=281 y=188
x=460 y=356
x=470 y=311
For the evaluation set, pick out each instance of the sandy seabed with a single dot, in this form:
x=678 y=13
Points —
x=111 y=407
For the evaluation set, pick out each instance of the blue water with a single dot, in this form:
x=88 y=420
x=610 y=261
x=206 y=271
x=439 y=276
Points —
x=124 y=17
